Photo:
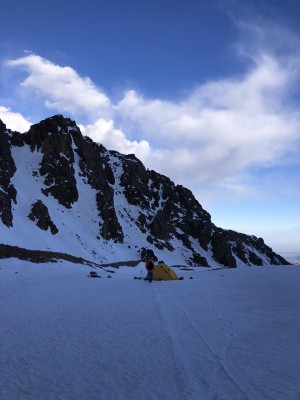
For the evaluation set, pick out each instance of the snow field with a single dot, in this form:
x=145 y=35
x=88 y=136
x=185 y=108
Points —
x=224 y=335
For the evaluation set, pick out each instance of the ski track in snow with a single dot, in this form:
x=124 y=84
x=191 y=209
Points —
x=192 y=353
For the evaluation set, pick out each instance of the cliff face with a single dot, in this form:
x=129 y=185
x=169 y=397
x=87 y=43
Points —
x=68 y=192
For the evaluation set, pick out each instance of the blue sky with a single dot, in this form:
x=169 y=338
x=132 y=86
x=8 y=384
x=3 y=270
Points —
x=205 y=92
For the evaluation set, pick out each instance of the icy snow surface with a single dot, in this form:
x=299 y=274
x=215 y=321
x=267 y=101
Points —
x=225 y=334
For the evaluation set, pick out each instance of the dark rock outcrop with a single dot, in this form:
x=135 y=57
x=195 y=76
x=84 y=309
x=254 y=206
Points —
x=222 y=249
x=8 y=192
x=40 y=215
x=54 y=139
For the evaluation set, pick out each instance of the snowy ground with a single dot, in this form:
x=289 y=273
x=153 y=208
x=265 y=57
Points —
x=225 y=334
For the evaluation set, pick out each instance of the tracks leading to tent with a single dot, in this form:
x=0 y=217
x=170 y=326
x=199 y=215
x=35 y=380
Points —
x=192 y=352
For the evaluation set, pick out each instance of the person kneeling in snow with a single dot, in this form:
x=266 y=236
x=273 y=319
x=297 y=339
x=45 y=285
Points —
x=150 y=267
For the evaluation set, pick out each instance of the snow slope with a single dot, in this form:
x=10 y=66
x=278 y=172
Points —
x=225 y=335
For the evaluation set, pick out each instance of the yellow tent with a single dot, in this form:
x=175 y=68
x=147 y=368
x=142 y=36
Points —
x=163 y=273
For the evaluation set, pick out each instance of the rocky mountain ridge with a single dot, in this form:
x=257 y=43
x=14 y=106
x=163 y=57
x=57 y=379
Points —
x=61 y=191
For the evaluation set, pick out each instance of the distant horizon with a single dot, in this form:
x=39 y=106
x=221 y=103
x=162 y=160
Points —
x=291 y=255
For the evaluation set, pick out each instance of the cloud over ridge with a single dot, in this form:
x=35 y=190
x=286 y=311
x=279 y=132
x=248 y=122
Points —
x=61 y=87
x=212 y=136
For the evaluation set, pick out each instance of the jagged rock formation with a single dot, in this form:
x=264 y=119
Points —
x=7 y=170
x=127 y=201
x=40 y=215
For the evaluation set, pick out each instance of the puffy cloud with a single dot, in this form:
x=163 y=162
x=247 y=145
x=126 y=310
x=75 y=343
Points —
x=62 y=87
x=212 y=136
x=103 y=131
x=223 y=127
x=14 y=121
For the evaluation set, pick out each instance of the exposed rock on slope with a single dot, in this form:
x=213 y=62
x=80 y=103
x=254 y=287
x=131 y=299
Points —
x=40 y=215
x=7 y=170
x=67 y=192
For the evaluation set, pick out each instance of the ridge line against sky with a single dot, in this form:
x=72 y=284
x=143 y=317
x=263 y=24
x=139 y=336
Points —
x=232 y=137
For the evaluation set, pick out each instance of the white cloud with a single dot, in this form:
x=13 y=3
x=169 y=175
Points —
x=13 y=120
x=103 y=131
x=221 y=129
x=62 y=88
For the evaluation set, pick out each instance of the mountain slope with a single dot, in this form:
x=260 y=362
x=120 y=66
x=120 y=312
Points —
x=62 y=192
